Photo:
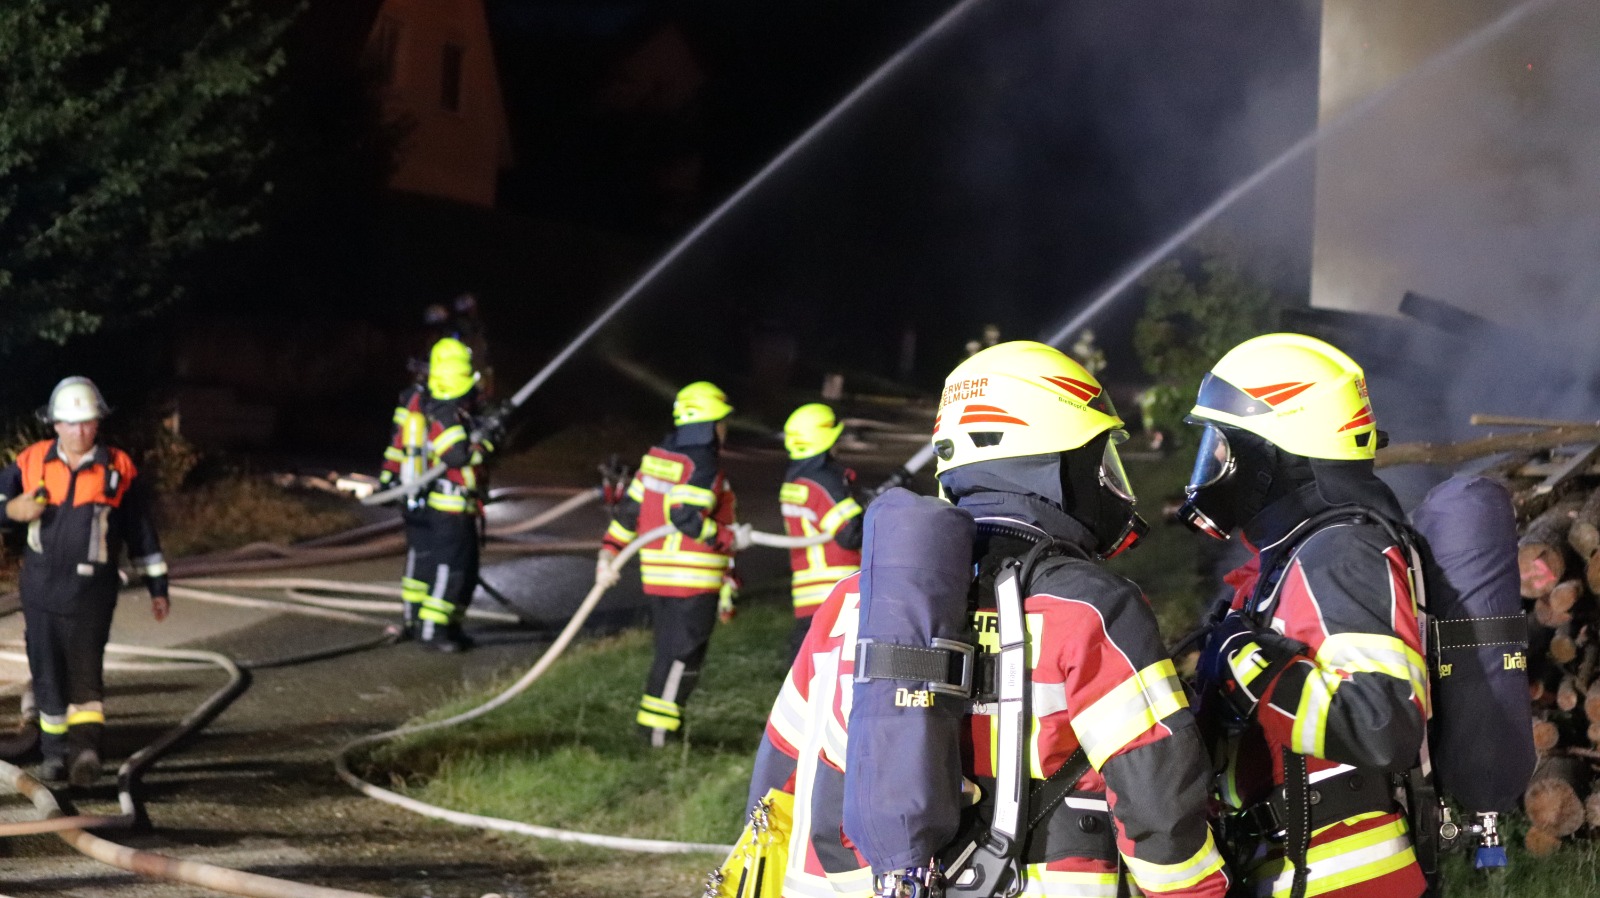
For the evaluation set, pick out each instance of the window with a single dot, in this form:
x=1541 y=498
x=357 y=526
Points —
x=450 y=77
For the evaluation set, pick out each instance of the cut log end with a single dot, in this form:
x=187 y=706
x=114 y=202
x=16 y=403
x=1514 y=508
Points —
x=1541 y=843
x=1546 y=735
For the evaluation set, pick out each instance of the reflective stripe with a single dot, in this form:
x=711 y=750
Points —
x=393 y=453
x=839 y=514
x=444 y=502
x=636 y=490
x=794 y=494
x=800 y=884
x=54 y=724
x=1126 y=712
x=99 y=527
x=690 y=495
x=685 y=579
x=1153 y=877
x=400 y=413
x=153 y=565
x=709 y=560
x=789 y=716
x=659 y=714
x=448 y=437
x=620 y=533
x=1310 y=732
x=661 y=468
x=1248 y=663
x=852 y=884
x=1068 y=884
x=1374 y=653
x=1340 y=863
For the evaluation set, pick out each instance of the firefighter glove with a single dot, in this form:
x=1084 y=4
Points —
x=605 y=571
x=725 y=597
x=1239 y=666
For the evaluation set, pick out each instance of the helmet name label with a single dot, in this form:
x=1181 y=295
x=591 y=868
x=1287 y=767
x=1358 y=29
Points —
x=956 y=391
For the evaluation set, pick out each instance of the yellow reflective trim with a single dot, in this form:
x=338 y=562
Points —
x=1068 y=884
x=681 y=579
x=1248 y=663
x=1127 y=711
x=448 y=437
x=664 y=468
x=636 y=490
x=620 y=533
x=446 y=502
x=657 y=721
x=78 y=718
x=840 y=514
x=657 y=703
x=684 y=559
x=55 y=726
x=411 y=584
x=393 y=453
x=1374 y=653
x=692 y=496
x=794 y=493
x=1310 y=732
x=1340 y=863
x=1153 y=877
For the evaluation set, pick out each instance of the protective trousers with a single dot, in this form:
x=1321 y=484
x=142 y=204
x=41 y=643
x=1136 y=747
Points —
x=441 y=569
x=682 y=633
x=65 y=656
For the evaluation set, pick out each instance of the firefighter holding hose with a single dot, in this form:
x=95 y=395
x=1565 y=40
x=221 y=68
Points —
x=434 y=426
x=817 y=496
x=688 y=575
x=82 y=502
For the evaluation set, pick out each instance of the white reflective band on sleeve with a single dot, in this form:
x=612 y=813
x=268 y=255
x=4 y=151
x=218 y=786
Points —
x=1122 y=715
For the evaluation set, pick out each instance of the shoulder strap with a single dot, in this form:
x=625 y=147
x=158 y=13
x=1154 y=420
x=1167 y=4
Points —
x=1264 y=600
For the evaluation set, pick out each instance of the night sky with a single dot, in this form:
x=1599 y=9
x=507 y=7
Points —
x=1019 y=161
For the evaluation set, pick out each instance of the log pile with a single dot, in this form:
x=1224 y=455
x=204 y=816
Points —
x=1557 y=496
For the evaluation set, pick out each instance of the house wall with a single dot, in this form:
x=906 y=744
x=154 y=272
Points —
x=1472 y=173
x=449 y=153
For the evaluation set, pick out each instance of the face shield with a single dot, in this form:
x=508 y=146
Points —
x=1112 y=475
x=1213 y=461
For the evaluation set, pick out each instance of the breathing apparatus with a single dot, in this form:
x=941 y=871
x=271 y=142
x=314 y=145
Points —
x=1031 y=415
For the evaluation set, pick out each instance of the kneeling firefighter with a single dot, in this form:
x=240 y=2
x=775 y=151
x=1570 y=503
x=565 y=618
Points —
x=1023 y=732
x=1313 y=686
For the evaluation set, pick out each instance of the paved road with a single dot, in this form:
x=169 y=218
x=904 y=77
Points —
x=256 y=789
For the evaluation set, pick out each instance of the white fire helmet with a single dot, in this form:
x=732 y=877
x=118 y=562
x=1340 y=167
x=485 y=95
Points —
x=75 y=400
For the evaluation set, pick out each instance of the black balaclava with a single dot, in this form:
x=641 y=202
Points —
x=1069 y=481
x=1262 y=473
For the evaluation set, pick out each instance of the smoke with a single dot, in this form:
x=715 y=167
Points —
x=1478 y=185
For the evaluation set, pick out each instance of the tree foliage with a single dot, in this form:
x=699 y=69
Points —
x=129 y=141
x=1195 y=311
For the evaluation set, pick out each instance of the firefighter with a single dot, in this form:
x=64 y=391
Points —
x=82 y=502
x=1313 y=685
x=818 y=496
x=434 y=425
x=688 y=575
x=1026 y=440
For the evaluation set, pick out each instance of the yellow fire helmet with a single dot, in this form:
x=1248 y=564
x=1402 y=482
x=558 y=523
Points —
x=698 y=402
x=1297 y=392
x=450 y=374
x=1015 y=399
x=811 y=430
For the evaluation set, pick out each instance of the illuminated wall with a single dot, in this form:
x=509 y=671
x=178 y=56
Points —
x=1477 y=181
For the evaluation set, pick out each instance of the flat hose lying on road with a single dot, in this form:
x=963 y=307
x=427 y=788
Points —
x=150 y=863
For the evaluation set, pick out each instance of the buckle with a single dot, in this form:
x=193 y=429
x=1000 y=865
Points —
x=964 y=656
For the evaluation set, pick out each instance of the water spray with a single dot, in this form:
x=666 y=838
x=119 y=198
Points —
x=877 y=77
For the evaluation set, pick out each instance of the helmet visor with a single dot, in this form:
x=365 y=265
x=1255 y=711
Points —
x=1112 y=475
x=1213 y=460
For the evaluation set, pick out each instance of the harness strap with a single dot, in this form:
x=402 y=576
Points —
x=944 y=666
x=1297 y=819
x=1335 y=798
x=1474 y=632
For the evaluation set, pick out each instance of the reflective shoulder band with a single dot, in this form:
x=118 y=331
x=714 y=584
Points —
x=1012 y=719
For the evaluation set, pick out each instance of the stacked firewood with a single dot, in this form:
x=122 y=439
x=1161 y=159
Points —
x=1558 y=556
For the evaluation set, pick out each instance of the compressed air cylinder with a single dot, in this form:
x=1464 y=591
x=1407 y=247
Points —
x=903 y=761
x=1481 y=733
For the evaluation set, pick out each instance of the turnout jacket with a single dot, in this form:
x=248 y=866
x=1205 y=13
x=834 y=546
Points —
x=818 y=496
x=70 y=563
x=429 y=432
x=1355 y=701
x=1101 y=679
x=680 y=482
